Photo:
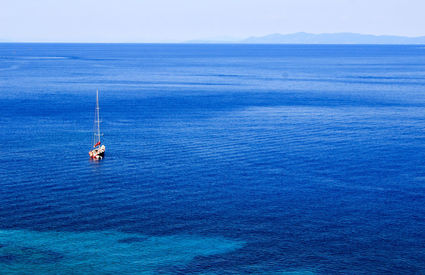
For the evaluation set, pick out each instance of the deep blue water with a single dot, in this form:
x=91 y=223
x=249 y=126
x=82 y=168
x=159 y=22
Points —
x=220 y=159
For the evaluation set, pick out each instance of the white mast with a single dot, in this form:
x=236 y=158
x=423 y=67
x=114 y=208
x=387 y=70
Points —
x=98 y=116
x=96 y=126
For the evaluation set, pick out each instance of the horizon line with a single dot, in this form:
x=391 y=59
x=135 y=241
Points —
x=235 y=40
x=222 y=43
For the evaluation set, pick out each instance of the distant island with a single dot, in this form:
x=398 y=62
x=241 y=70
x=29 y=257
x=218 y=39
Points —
x=325 y=38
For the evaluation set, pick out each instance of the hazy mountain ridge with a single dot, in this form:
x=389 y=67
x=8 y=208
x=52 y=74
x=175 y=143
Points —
x=325 y=38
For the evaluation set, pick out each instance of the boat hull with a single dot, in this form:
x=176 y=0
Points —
x=97 y=153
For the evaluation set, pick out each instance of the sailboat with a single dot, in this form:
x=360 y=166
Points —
x=99 y=150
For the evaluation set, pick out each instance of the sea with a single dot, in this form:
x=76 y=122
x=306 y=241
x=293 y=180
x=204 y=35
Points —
x=220 y=159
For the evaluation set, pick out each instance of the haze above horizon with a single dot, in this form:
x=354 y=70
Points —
x=178 y=21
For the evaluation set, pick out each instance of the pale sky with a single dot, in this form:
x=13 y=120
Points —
x=175 y=21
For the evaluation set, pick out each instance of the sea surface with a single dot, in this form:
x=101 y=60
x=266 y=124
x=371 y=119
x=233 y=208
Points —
x=220 y=159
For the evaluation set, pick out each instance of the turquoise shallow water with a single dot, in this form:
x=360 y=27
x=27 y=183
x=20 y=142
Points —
x=221 y=159
x=102 y=252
